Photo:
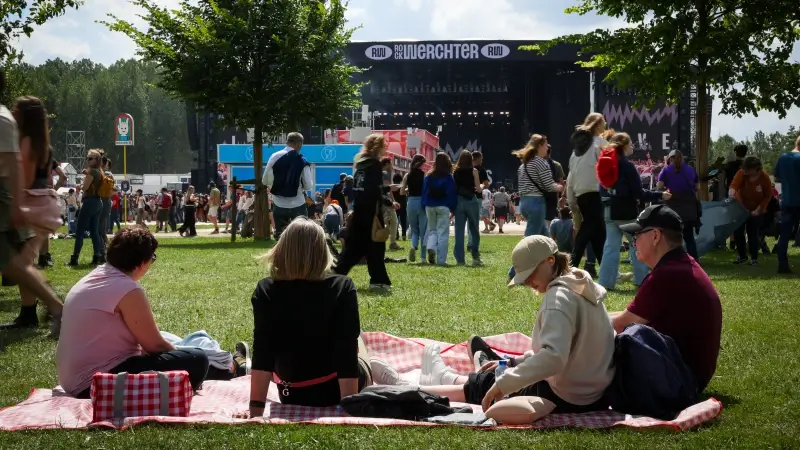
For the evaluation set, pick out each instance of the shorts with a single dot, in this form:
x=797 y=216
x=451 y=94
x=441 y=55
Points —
x=484 y=213
x=501 y=212
x=478 y=384
x=11 y=242
x=162 y=215
x=213 y=211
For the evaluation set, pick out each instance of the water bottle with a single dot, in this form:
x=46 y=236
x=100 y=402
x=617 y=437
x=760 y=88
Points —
x=502 y=366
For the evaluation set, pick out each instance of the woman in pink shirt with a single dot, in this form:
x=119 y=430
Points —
x=108 y=325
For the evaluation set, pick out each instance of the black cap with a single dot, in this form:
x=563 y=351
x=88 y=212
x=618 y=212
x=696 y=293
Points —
x=655 y=216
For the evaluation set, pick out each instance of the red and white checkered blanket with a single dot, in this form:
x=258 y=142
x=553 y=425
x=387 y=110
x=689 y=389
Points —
x=220 y=401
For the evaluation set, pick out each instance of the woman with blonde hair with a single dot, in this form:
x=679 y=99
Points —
x=370 y=197
x=91 y=208
x=535 y=180
x=582 y=188
x=621 y=190
x=301 y=306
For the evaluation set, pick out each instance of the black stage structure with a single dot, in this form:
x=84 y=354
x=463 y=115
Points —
x=483 y=95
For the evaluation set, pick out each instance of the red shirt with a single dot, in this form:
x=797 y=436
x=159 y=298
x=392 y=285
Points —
x=115 y=201
x=679 y=300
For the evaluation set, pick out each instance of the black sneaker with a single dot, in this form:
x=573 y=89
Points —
x=785 y=270
x=21 y=322
x=241 y=357
x=73 y=261
x=740 y=260
x=590 y=268
x=431 y=257
x=476 y=344
x=479 y=359
x=753 y=262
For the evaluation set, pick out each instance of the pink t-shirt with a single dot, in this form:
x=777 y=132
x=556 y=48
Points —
x=94 y=338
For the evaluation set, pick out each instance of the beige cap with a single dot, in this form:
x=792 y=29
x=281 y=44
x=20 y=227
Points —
x=528 y=254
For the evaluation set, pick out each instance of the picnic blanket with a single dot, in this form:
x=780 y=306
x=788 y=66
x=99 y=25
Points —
x=220 y=401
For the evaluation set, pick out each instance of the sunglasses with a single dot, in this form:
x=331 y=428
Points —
x=91 y=159
x=636 y=236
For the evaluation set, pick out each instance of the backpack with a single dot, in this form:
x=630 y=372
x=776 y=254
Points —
x=398 y=402
x=166 y=201
x=608 y=167
x=106 y=187
x=651 y=378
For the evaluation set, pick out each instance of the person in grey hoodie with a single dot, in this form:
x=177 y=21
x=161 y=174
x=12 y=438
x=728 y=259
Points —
x=583 y=190
x=570 y=363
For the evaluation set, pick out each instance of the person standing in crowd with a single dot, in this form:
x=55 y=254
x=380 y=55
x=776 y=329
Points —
x=681 y=180
x=440 y=199
x=752 y=187
x=288 y=175
x=534 y=179
x=105 y=198
x=562 y=231
x=116 y=211
x=677 y=298
x=483 y=177
x=787 y=173
x=214 y=202
x=72 y=210
x=164 y=204
x=485 y=212
x=732 y=167
x=582 y=179
x=621 y=191
x=25 y=161
x=189 y=210
x=334 y=219
x=368 y=200
x=140 y=208
x=552 y=200
x=337 y=193
x=173 y=214
x=467 y=209
x=501 y=203
x=386 y=165
x=417 y=218
x=91 y=208
x=402 y=200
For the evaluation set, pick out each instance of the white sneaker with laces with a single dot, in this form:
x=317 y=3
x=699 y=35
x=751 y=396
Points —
x=384 y=374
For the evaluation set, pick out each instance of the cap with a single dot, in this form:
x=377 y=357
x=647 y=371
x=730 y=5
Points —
x=528 y=254
x=671 y=154
x=655 y=216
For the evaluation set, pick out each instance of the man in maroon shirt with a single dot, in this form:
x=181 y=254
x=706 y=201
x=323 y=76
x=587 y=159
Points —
x=677 y=298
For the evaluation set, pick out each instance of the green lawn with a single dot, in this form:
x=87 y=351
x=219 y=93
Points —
x=207 y=284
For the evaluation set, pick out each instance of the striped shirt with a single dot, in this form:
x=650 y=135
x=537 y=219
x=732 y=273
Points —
x=539 y=170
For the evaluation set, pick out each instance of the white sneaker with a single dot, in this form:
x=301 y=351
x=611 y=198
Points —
x=383 y=373
x=625 y=277
x=434 y=371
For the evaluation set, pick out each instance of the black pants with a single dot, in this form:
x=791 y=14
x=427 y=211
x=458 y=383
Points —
x=188 y=221
x=689 y=239
x=478 y=384
x=358 y=245
x=593 y=228
x=753 y=242
x=402 y=217
x=193 y=361
x=284 y=216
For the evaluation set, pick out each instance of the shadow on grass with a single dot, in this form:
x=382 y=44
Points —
x=9 y=305
x=366 y=292
x=10 y=337
x=727 y=400
x=207 y=244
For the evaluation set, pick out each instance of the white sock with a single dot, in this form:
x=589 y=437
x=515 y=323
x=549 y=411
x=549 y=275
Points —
x=434 y=371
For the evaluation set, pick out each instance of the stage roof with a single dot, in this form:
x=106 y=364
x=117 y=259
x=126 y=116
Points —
x=372 y=53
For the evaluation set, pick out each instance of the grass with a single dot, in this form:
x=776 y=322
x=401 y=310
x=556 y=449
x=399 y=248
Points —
x=207 y=284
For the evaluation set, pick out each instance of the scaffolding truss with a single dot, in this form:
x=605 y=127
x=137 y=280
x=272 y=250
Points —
x=76 y=149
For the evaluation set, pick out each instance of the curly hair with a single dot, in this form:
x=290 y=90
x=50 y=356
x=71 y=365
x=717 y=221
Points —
x=131 y=248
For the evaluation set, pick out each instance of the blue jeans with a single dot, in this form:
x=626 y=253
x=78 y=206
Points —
x=533 y=209
x=438 y=237
x=467 y=213
x=89 y=219
x=115 y=215
x=790 y=217
x=239 y=218
x=609 y=266
x=417 y=222
x=332 y=224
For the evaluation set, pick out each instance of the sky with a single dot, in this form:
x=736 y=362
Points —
x=77 y=35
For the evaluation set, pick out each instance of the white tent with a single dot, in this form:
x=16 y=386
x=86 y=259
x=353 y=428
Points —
x=70 y=172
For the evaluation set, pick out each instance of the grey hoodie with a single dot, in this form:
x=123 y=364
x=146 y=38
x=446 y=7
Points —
x=582 y=173
x=572 y=345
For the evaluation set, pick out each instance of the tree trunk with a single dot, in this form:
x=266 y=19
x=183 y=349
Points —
x=261 y=224
x=701 y=138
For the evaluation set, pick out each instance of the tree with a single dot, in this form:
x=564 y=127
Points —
x=271 y=65
x=738 y=48
x=18 y=17
x=17 y=78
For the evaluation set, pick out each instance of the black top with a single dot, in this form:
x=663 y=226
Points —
x=415 y=179
x=42 y=178
x=482 y=176
x=368 y=192
x=305 y=330
x=465 y=182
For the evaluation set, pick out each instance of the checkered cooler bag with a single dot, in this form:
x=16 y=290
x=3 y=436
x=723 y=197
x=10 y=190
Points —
x=117 y=396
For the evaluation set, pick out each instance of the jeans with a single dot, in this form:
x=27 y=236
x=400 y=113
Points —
x=688 y=240
x=402 y=216
x=750 y=228
x=593 y=228
x=239 y=219
x=609 y=267
x=332 y=224
x=89 y=220
x=533 y=209
x=418 y=221
x=467 y=213
x=115 y=216
x=790 y=218
x=72 y=221
x=191 y=360
x=438 y=237
x=105 y=218
x=285 y=216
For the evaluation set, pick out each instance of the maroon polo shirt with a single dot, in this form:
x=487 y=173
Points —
x=679 y=300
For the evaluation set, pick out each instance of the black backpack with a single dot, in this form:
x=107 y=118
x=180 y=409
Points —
x=651 y=378
x=398 y=402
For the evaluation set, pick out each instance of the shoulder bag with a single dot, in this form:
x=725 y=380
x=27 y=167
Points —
x=550 y=198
